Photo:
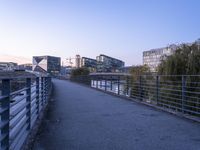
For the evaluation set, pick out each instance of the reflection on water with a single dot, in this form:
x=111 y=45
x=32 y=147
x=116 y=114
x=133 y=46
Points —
x=116 y=87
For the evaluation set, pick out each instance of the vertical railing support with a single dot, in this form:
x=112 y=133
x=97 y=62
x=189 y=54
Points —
x=183 y=92
x=45 y=90
x=97 y=83
x=127 y=86
x=42 y=91
x=100 y=83
x=38 y=94
x=28 y=101
x=111 y=84
x=105 y=85
x=5 y=104
x=157 y=89
x=118 y=85
x=140 y=87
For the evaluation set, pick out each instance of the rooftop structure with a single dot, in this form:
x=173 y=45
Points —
x=47 y=64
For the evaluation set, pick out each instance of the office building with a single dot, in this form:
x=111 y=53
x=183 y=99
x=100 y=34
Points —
x=8 y=66
x=152 y=58
x=108 y=64
x=89 y=63
x=47 y=64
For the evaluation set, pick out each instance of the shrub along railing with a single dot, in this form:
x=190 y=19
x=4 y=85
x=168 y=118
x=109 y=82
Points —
x=177 y=93
x=22 y=101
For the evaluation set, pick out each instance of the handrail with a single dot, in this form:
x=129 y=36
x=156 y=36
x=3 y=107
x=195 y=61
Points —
x=180 y=93
x=19 y=112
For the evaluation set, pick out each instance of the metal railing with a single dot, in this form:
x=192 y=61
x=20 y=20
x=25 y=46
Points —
x=176 y=93
x=22 y=100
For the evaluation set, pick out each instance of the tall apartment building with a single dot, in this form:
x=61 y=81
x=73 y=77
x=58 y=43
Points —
x=78 y=61
x=153 y=57
x=108 y=64
x=47 y=64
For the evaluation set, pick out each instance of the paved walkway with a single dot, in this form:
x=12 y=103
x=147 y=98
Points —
x=81 y=118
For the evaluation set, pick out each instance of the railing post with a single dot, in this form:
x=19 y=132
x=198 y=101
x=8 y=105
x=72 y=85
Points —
x=118 y=85
x=183 y=92
x=101 y=83
x=140 y=87
x=111 y=83
x=127 y=86
x=42 y=91
x=157 y=89
x=48 y=87
x=45 y=90
x=5 y=104
x=38 y=95
x=96 y=82
x=28 y=101
x=105 y=85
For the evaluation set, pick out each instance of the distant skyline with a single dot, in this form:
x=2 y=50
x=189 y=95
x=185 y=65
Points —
x=119 y=28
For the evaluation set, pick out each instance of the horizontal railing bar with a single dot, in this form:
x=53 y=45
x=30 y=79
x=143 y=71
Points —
x=19 y=91
x=34 y=97
x=191 y=111
x=14 y=132
x=173 y=94
x=17 y=119
x=178 y=99
x=33 y=92
x=15 y=141
x=33 y=85
x=18 y=110
x=170 y=106
x=21 y=99
x=170 y=102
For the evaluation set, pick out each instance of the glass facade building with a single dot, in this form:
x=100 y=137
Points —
x=108 y=64
x=47 y=64
x=89 y=63
x=153 y=57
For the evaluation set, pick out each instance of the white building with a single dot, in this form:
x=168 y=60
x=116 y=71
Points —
x=153 y=57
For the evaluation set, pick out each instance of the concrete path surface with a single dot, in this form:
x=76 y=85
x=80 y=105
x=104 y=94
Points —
x=81 y=118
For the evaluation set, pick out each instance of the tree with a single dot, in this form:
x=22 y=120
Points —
x=184 y=61
x=81 y=75
x=80 y=72
x=138 y=78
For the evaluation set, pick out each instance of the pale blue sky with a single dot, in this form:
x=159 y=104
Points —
x=119 y=28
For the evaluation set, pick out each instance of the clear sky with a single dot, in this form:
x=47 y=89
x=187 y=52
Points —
x=119 y=28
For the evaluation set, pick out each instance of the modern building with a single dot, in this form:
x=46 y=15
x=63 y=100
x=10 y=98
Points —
x=8 y=66
x=78 y=61
x=25 y=67
x=153 y=57
x=47 y=64
x=108 y=64
x=89 y=63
